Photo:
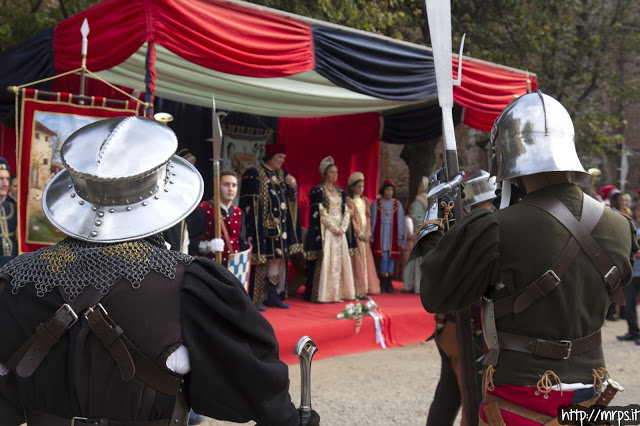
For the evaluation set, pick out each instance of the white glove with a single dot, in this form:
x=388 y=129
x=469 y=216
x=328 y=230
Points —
x=217 y=244
x=211 y=246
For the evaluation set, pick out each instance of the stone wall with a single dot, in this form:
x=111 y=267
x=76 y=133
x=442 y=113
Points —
x=394 y=168
x=407 y=164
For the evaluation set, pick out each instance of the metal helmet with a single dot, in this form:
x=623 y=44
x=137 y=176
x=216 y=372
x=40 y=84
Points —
x=121 y=182
x=479 y=186
x=534 y=134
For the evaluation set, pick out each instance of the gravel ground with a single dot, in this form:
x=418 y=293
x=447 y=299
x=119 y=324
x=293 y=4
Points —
x=395 y=386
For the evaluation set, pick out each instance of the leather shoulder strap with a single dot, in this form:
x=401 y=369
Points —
x=591 y=248
x=548 y=281
x=33 y=351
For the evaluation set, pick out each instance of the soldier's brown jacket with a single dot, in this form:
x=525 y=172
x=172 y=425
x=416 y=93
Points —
x=516 y=246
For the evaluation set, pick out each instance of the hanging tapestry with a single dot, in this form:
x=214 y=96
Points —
x=243 y=147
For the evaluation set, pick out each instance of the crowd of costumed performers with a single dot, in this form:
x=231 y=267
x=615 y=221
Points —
x=349 y=251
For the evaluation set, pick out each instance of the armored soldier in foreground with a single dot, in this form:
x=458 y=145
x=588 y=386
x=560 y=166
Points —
x=547 y=269
x=110 y=327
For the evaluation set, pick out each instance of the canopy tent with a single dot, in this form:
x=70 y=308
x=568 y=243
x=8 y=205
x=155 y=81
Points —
x=267 y=62
x=256 y=60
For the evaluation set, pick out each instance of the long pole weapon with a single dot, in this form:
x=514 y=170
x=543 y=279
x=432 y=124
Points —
x=84 y=30
x=216 y=139
x=439 y=16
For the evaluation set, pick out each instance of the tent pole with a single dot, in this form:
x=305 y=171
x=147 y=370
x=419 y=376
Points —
x=150 y=77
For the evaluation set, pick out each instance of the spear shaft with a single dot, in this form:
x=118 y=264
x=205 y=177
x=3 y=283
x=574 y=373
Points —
x=439 y=16
x=216 y=140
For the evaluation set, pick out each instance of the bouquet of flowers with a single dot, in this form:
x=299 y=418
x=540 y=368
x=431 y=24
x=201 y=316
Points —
x=357 y=311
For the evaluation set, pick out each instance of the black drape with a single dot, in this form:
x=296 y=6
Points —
x=416 y=126
x=382 y=69
x=27 y=61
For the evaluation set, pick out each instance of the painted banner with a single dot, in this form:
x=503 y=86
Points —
x=242 y=151
x=44 y=126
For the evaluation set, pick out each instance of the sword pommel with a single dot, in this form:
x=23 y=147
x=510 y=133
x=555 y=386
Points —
x=305 y=349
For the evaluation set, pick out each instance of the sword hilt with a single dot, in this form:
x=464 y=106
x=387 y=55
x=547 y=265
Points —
x=305 y=349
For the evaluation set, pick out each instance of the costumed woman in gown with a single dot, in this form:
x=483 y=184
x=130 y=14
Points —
x=330 y=241
x=364 y=268
x=412 y=274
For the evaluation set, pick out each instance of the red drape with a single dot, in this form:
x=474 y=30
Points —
x=352 y=141
x=222 y=36
x=486 y=90
x=8 y=145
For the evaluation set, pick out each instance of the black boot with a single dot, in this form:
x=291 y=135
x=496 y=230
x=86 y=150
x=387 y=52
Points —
x=273 y=299
x=383 y=284
x=390 y=288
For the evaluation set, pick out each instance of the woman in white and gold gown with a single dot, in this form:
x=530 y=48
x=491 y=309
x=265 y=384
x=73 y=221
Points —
x=330 y=242
x=364 y=268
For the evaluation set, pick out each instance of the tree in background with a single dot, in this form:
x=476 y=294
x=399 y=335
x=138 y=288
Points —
x=392 y=18
x=585 y=53
x=20 y=19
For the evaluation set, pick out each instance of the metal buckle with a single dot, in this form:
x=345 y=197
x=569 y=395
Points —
x=73 y=419
x=607 y=276
x=90 y=310
x=553 y=275
x=569 y=345
x=71 y=312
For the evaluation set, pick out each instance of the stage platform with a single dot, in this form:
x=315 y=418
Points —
x=405 y=322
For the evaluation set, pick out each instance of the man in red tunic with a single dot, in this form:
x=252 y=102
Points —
x=201 y=223
x=387 y=222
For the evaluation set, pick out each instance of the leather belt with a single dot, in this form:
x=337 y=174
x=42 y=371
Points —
x=37 y=418
x=554 y=349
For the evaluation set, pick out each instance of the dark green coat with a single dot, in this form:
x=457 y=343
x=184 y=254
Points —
x=516 y=246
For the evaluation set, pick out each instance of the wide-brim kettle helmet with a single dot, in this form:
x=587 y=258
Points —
x=534 y=134
x=479 y=186
x=122 y=181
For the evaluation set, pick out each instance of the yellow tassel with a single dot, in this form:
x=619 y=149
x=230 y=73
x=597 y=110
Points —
x=544 y=384
x=598 y=377
x=487 y=380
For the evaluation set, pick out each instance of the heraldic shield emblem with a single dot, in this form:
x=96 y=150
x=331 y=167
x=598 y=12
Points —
x=240 y=266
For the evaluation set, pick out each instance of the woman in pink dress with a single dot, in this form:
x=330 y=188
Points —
x=364 y=269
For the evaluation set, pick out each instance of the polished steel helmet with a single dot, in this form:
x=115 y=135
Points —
x=534 y=134
x=479 y=186
x=121 y=182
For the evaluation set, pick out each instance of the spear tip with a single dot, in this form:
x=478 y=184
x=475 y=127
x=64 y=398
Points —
x=84 y=29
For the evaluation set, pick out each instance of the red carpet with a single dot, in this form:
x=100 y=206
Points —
x=406 y=323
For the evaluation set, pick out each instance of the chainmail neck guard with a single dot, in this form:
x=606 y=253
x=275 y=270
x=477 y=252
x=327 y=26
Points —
x=74 y=264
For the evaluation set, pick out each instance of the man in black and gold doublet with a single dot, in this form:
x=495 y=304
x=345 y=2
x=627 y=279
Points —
x=269 y=200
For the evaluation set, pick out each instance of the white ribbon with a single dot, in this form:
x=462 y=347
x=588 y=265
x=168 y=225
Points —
x=379 y=336
x=376 y=322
